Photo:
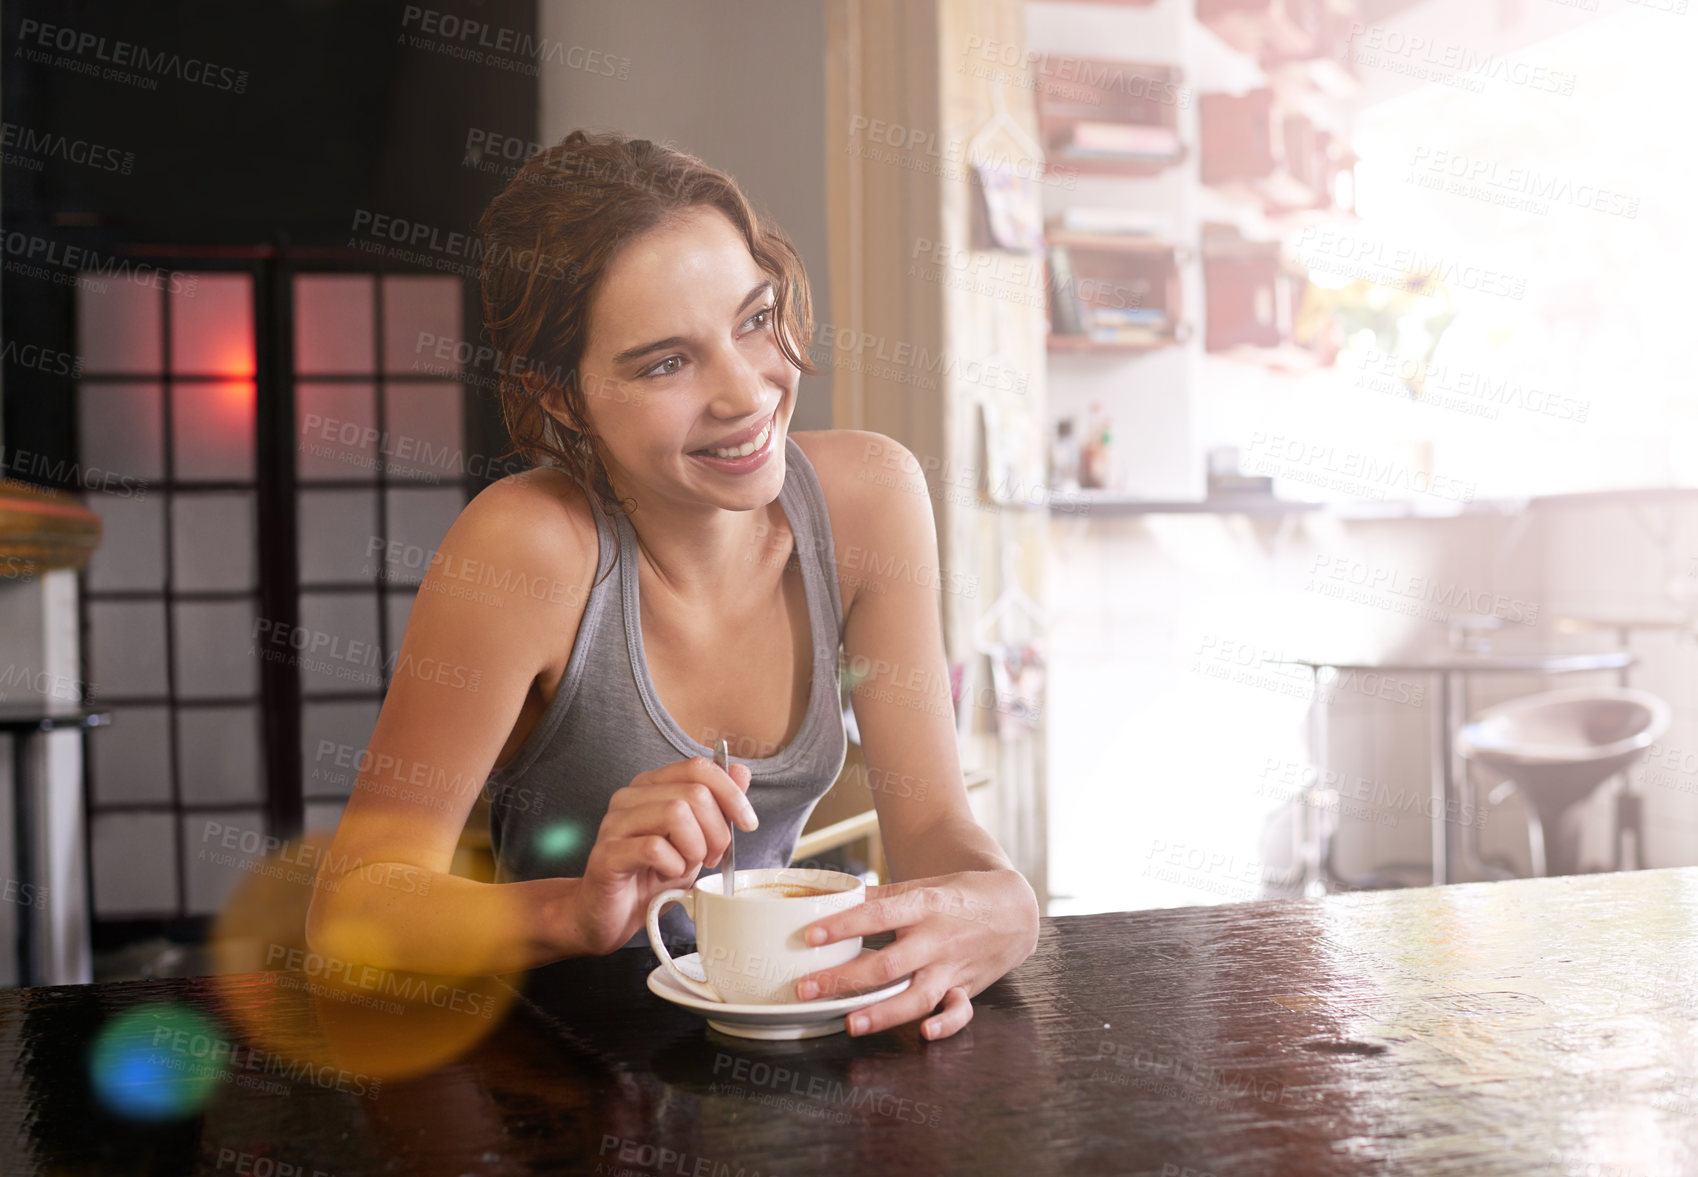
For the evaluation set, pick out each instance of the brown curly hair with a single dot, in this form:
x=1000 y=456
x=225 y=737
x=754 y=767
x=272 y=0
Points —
x=548 y=240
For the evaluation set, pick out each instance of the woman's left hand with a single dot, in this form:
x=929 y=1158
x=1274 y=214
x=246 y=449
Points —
x=956 y=933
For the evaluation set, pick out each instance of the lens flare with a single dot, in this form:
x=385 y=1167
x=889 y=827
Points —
x=157 y=1062
x=559 y=840
x=375 y=1021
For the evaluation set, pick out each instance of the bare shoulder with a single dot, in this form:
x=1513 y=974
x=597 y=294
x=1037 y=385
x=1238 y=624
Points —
x=874 y=490
x=534 y=523
x=859 y=468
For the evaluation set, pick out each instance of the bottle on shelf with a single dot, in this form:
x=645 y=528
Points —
x=1095 y=457
x=1064 y=458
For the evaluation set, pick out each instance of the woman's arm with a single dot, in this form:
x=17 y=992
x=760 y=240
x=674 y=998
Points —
x=384 y=894
x=963 y=915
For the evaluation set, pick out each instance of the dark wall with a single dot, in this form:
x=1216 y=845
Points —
x=302 y=112
x=276 y=124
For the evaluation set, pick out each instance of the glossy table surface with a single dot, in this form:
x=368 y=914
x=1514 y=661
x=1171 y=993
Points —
x=1539 y=1026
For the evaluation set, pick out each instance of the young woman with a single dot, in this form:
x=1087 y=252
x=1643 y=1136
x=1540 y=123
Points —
x=678 y=567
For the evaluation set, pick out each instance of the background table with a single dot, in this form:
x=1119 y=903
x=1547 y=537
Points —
x=1546 y=1026
x=1452 y=842
x=24 y=722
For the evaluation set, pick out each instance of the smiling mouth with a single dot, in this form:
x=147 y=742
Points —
x=748 y=447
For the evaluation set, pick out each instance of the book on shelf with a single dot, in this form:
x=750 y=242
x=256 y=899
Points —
x=1124 y=316
x=1127 y=333
x=1064 y=305
x=1127 y=324
x=1130 y=141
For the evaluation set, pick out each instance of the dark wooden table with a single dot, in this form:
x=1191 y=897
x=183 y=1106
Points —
x=1541 y=1026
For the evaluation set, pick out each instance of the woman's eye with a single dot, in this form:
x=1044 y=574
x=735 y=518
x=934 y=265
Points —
x=661 y=369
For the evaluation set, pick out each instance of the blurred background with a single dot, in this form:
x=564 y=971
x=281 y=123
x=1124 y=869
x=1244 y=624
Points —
x=1298 y=383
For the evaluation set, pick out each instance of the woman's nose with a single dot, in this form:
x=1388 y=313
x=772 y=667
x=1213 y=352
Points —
x=743 y=389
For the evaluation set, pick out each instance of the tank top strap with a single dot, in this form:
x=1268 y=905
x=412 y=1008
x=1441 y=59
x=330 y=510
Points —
x=803 y=499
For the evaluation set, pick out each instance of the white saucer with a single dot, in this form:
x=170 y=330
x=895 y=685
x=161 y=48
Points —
x=793 y=1019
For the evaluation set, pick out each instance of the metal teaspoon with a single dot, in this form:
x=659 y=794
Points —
x=728 y=868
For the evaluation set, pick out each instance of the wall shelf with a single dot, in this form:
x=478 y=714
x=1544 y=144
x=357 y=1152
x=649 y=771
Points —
x=1102 y=117
x=1113 y=293
x=1253 y=296
x=1277 y=31
x=1084 y=343
x=1256 y=145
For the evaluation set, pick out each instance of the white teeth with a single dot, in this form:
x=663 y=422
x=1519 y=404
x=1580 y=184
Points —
x=747 y=448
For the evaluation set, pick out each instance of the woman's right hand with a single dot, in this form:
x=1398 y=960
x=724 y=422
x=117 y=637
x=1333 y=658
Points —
x=660 y=830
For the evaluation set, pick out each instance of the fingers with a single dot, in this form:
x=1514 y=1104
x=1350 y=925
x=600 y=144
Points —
x=728 y=788
x=869 y=971
x=957 y=1012
x=690 y=804
x=916 y=1001
x=672 y=820
x=627 y=856
x=892 y=909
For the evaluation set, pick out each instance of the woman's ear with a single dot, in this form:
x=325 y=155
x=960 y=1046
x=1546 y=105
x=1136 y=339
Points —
x=551 y=397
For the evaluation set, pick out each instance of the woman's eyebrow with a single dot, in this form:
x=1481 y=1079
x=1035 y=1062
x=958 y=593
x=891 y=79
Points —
x=632 y=353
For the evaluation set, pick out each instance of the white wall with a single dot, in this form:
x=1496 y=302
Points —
x=739 y=85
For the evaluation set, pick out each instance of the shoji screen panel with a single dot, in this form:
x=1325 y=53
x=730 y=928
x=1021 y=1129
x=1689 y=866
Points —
x=381 y=467
x=167 y=401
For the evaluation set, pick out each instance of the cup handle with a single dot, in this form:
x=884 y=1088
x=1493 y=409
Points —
x=658 y=905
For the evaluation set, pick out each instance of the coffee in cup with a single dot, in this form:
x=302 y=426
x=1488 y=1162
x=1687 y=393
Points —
x=784 y=891
x=750 y=944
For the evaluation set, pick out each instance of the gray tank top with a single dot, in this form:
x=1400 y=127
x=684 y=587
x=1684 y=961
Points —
x=606 y=724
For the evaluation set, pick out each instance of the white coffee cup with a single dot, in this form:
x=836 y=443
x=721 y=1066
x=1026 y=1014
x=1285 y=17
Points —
x=751 y=945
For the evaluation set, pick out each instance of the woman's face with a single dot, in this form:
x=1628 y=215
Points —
x=681 y=356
